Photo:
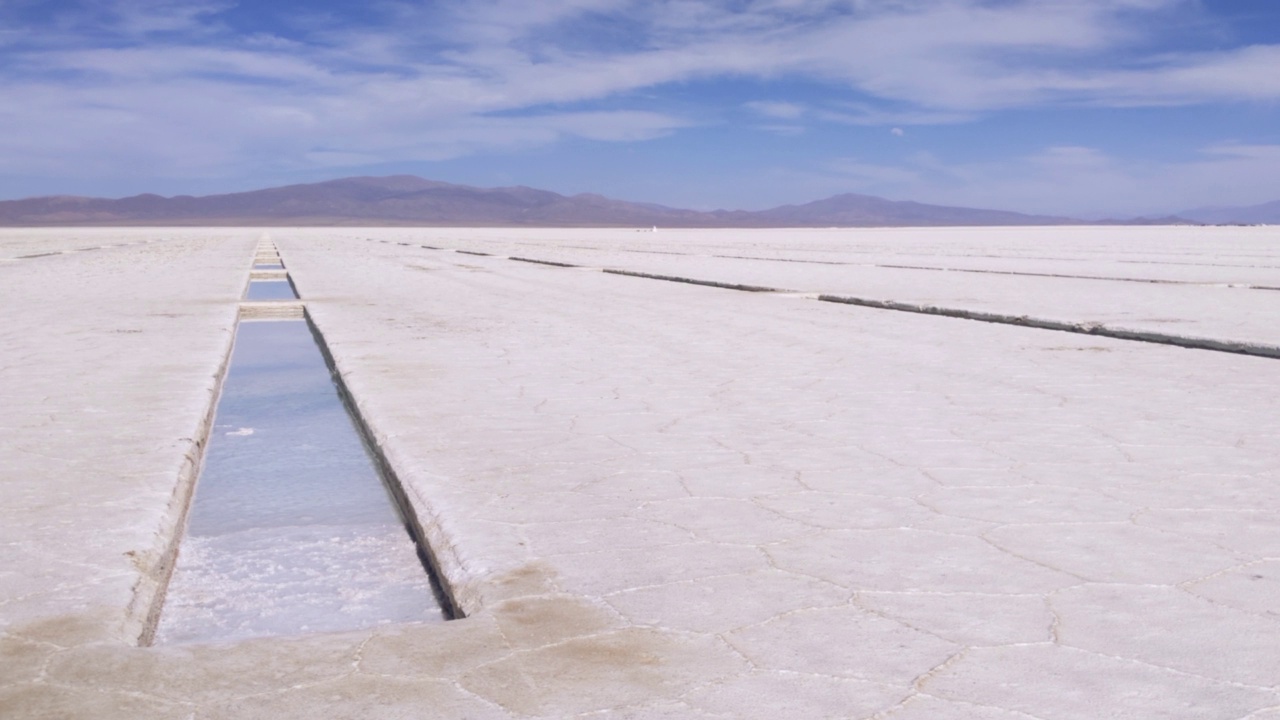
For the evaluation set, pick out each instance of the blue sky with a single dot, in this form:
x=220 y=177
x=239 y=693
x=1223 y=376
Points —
x=1085 y=107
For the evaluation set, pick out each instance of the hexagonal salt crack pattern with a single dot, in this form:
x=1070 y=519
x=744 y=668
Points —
x=1027 y=504
x=914 y=560
x=603 y=671
x=532 y=622
x=22 y=660
x=1245 y=531
x=774 y=695
x=1089 y=550
x=731 y=478
x=616 y=570
x=590 y=535
x=969 y=619
x=1253 y=588
x=843 y=642
x=725 y=520
x=1202 y=491
x=206 y=673
x=842 y=511
x=43 y=700
x=887 y=481
x=924 y=707
x=436 y=650
x=1170 y=628
x=363 y=696
x=1056 y=683
x=719 y=604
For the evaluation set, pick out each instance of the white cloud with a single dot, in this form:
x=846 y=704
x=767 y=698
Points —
x=774 y=109
x=897 y=132
x=621 y=125
x=866 y=176
x=1068 y=157
x=851 y=113
x=1067 y=180
x=143 y=17
x=781 y=129
x=161 y=87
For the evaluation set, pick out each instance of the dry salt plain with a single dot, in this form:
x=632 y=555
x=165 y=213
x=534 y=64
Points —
x=657 y=499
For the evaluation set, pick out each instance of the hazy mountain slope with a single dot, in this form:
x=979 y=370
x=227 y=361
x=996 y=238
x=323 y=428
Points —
x=409 y=200
x=851 y=209
x=1264 y=214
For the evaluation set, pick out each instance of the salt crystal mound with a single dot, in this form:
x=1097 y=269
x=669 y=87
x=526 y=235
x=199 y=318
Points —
x=292 y=530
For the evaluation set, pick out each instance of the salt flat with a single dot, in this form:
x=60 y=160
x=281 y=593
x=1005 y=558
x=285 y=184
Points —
x=658 y=500
x=43 y=242
x=1189 y=281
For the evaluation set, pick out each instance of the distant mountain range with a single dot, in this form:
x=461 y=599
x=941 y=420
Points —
x=1264 y=214
x=409 y=200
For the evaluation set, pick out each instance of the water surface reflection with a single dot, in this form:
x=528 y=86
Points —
x=292 y=529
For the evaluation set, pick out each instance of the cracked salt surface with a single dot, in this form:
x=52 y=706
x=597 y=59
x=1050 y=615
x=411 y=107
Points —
x=292 y=530
x=660 y=501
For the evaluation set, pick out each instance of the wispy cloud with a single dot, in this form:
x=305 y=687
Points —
x=184 y=87
x=1066 y=180
x=779 y=110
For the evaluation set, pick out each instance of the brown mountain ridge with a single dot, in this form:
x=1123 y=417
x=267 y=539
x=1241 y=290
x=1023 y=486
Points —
x=410 y=200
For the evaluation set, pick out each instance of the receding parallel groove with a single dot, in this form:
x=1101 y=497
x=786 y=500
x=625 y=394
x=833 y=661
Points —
x=1023 y=273
x=1105 y=278
x=149 y=596
x=695 y=281
x=409 y=514
x=149 y=593
x=69 y=251
x=790 y=260
x=552 y=263
x=1198 y=343
x=1097 y=329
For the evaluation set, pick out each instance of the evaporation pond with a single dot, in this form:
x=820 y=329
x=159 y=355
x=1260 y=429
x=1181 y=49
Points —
x=292 y=529
x=270 y=290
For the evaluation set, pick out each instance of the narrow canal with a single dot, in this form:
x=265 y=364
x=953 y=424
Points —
x=260 y=290
x=292 y=528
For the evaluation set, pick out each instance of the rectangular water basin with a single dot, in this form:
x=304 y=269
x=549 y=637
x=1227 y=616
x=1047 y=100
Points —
x=274 y=289
x=292 y=528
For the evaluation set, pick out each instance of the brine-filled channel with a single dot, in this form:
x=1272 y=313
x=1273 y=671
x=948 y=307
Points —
x=270 y=290
x=292 y=529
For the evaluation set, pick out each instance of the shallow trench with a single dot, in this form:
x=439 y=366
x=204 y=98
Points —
x=293 y=528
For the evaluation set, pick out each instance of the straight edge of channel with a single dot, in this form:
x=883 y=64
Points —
x=407 y=509
x=1236 y=347
x=142 y=616
x=1185 y=341
x=695 y=281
